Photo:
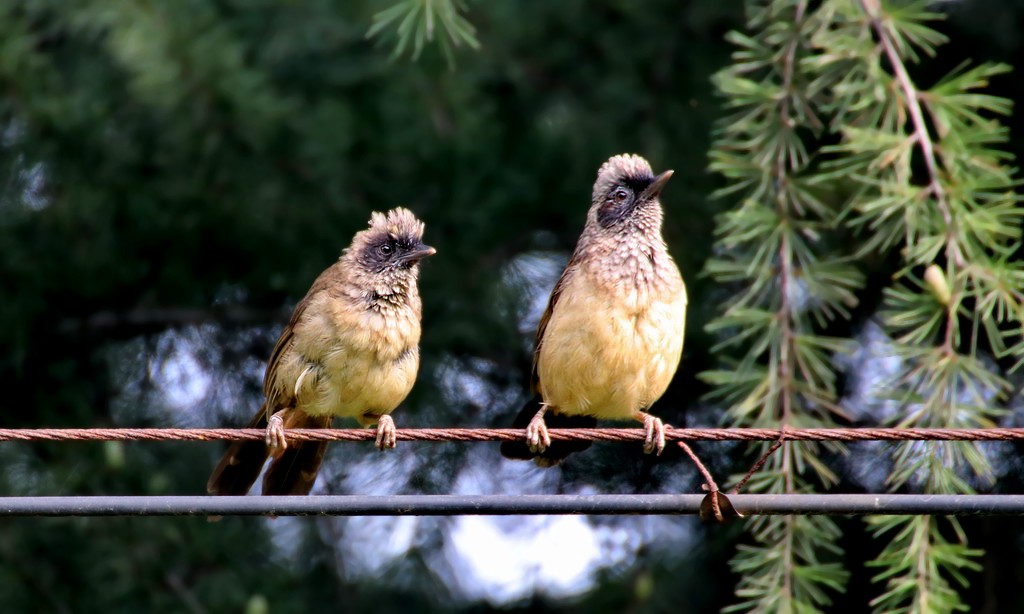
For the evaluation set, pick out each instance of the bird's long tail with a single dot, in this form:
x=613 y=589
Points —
x=558 y=450
x=291 y=473
x=294 y=471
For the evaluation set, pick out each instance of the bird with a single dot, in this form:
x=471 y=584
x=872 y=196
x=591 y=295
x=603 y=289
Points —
x=351 y=349
x=611 y=337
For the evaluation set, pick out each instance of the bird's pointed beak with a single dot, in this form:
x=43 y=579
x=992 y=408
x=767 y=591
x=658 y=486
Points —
x=419 y=253
x=654 y=190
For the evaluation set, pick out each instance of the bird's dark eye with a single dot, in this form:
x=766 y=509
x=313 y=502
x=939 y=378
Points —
x=621 y=195
x=385 y=249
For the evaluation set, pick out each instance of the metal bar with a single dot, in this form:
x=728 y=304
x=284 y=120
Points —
x=494 y=505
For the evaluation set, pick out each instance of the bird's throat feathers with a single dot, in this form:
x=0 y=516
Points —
x=629 y=254
x=380 y=291
x=391 y=290
x=635 y=260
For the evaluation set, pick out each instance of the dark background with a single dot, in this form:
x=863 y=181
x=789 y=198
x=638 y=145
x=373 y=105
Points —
x=174 y=177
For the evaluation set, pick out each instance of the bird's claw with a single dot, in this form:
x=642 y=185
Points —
x=654 y=435
x=537 y=437
x=386 y=435
x=275 y=433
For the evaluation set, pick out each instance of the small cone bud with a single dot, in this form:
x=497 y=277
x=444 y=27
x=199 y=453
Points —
x=936 y=281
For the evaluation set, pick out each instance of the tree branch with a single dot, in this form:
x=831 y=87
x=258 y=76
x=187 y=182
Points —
x=923 y=138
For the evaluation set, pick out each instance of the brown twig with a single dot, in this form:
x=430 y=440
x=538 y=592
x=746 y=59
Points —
x=761 y=461
x=709 y=482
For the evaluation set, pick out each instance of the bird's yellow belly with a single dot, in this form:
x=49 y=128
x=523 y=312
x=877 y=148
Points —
x=362 y=371
x=360 y=388
x=609 y=360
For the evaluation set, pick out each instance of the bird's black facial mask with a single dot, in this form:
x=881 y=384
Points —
x=622 y=200
x=383 y=253
x=391 y=252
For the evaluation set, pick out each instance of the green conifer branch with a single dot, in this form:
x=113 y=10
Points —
x=958 y=221
x=414 y=23
x=929 y=179
x=787 y=282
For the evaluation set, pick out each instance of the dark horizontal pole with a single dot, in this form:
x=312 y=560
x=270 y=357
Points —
x=497 y=505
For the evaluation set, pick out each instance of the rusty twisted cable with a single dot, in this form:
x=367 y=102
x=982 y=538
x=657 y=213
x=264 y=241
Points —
x=486 y=434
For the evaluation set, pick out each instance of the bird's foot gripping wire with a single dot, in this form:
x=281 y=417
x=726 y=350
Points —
x=275 y=433
x=537 y=437
x=654 y=432
x=386 y=435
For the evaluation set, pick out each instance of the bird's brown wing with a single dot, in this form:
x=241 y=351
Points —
x=542 y=326
x=558 y=450
x=243 y=461
x=321 y=283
